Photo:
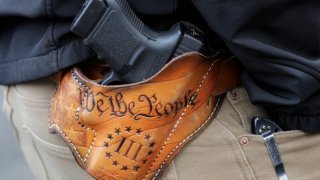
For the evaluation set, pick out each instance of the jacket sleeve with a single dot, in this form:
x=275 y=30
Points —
x=277 y=41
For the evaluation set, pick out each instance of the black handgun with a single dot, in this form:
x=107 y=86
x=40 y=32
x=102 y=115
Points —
x=134 y=51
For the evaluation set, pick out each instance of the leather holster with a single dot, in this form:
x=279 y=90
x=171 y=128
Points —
x=133 y=131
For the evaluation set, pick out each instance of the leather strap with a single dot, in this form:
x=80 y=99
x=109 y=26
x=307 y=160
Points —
x=133 y=131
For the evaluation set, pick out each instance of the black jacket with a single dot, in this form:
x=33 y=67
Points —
x=277 y=41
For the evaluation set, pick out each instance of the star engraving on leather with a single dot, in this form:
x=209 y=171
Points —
x=108 y=155
x=128 y=129
x=138 y=131
x=136 y=168
x=152 y=144
x=117 y=131
x=124 y=168
x=115 y=163
x=106 y=144
x=144 y=161
x=147 y=137
x=150 y=152
x=110 y=136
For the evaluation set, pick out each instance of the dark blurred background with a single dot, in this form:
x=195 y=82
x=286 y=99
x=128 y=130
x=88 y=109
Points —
x=12 y=163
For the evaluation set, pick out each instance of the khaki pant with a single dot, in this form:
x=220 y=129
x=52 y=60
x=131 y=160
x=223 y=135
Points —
x=225 y=150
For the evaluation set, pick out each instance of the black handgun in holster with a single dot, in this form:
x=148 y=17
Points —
x=134 y=51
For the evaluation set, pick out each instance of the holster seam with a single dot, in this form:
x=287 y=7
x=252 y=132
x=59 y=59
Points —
x=176 y=125
x=190 y=136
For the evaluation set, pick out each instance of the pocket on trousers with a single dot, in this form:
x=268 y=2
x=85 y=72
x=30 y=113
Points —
x=53 y=161
x=31 y=102
x=52 y=149
x=48 y=155
x=294 y=146
x=297 y=149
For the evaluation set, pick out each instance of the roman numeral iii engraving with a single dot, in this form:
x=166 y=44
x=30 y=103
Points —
x=129 y=149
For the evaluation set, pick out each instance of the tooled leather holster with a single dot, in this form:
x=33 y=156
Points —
x=133 y=131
